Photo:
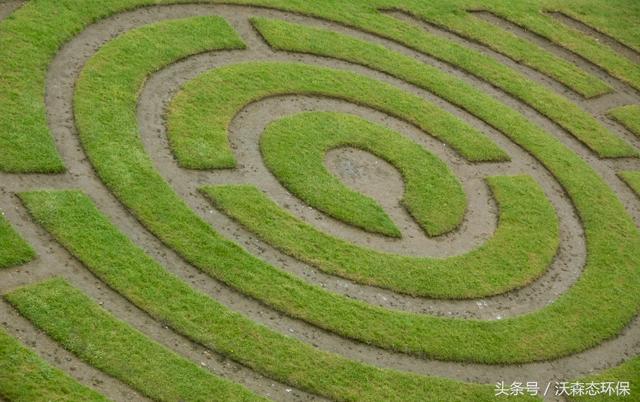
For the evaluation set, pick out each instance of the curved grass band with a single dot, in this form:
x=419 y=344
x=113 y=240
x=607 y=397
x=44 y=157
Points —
x=597 y=307
x=198 y=135
x=75 y=222
x=30 y=39
x=533 y=16
x=294 y=150
x=628 y=116
x=293 y=37
x=26 y=377
x=628 y=371
x=39 y=28
x=632 y=178
x=13 y=249
x=556 y=107
x=94 y=335
x=523 y=51
x=533 y=19
x=520 y=250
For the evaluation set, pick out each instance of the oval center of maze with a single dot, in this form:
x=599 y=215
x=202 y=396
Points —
x=294 y=149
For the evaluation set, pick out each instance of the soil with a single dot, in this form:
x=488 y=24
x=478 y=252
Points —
x=359 y=170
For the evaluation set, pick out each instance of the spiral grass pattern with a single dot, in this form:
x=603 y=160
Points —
x=290 y=200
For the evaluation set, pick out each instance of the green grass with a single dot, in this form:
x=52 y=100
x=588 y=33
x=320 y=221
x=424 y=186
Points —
x=87 y=330
x=32 y=36
x=569 y=116
x=628 y=371
x=617 y=19
x=293 y=37
x=526 y=14
x=294 y=149
x=26 y=49
x=75 y=222
x=26 y=377
x=632 y=178
x=529 y=15
x=29 y=40
x=586 y=46
x=597 y=307
x=13 y=249
x=628 y=116
x=521 y=51
x=199 y=116
x=521 y=249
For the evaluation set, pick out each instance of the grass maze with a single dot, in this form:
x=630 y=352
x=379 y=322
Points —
x=222 y=179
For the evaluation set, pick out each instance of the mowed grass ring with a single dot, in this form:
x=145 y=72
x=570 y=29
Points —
x=520 y=250
x=120 y=160
x=294 y=150
x=198 y=200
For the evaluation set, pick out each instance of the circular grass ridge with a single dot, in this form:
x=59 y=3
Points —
x=294 y=149
x=597 y=307
x=119 y=159
x=520 y=250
